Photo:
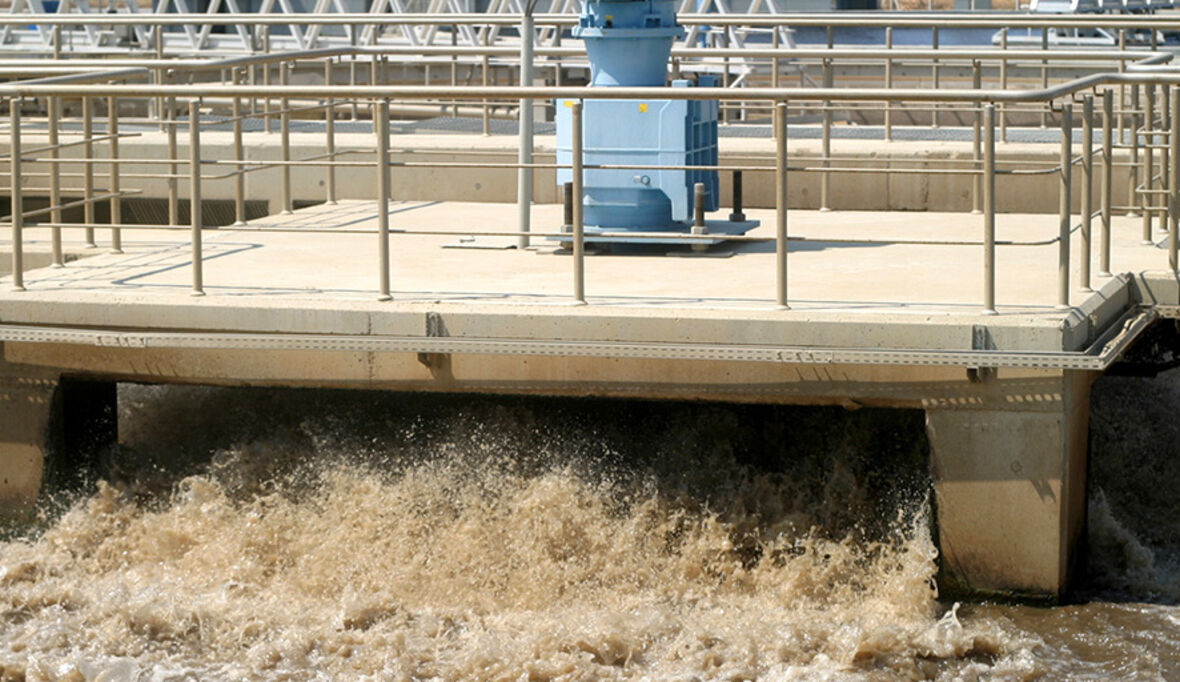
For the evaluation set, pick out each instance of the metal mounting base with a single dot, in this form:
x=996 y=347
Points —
x=718 y=230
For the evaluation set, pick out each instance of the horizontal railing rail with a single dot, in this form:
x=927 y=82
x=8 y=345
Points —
x=922 y=20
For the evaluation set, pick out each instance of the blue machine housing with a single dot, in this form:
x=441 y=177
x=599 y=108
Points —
x=638 y=132
x=628 y=43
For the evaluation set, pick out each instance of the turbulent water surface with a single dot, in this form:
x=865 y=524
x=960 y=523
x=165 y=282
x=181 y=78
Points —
x=318 y=535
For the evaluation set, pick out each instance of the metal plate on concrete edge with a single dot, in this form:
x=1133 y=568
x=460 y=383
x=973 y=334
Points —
x=1100 y=355
x=483 y=243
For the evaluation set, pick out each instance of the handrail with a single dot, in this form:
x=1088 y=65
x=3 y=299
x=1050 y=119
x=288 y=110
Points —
x=508 y=92
x=129 y=69
x=902 y=52
x=996 y=20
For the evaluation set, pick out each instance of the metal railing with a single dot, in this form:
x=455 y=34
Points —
x=988 y=102
x=1153 y=189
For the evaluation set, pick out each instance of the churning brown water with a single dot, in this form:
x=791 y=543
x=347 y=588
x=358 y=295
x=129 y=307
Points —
x=319 y=535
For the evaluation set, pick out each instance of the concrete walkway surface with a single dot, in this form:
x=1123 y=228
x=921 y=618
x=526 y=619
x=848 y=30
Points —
x=840 y=273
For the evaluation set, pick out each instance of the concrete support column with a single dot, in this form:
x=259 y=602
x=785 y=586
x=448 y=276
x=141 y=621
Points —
x=27 y=406
x=50 y=427
x=1009 y=467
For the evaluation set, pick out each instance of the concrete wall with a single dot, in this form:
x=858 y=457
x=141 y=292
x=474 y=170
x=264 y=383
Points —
x=51 y=427
x=26 y=407
x=1009 y=475
x=849 y=191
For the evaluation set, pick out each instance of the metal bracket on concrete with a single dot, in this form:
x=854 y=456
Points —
x=981 y=339
x=1100 y=355
x=435 y=329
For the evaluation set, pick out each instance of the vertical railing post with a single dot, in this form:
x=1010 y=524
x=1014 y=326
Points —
x=1174 y=179
x=1133 y=131
x=285 y=144
x=17 y=198
x=356 y=112
x=776 y=77
x=724 y=112
x=825 y=178
x=989 y=209
x=330 y=135
x=455 y=67
x=252 y=80
x=524 y=174
x=88 y=171
x=888 y=83
x=698 y=215
x=173 y=166
x=1087 y=186
x=1122 y=112
x=1107 y=179
x=158 y=73
x=1064 y=217
x=558 y=67
x=195 y=210
x=116 y=200
x=373 y=77
x=829 y=80
x=781 y=242
x=1003 y=83
x=775 y=63
x=240 y=166
x=1148 y=198
x=976 y=141
x=266 y=124
x=381 y=129
x=484 y=65
x=53 y=110
x=935 y=77
x=1045 y=77
x=1165 y=151
x=579 y=207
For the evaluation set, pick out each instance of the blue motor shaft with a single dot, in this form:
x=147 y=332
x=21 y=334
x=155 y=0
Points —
x=628 y=41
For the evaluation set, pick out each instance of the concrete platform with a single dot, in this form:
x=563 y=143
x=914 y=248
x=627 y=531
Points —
x=839 y=271
x=912 y=306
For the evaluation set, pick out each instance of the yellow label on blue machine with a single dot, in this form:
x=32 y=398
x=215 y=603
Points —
x=643 y=107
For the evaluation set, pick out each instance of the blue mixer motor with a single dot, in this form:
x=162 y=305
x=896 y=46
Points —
x=628 y=43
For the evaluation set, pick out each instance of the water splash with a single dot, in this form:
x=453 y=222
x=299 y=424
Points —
x=491 y=540
x=315 y=535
